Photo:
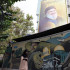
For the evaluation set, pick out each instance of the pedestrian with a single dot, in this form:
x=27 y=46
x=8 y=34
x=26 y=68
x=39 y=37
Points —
x=24 y=60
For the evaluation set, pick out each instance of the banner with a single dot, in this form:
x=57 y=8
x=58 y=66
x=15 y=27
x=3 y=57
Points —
x=52 y=14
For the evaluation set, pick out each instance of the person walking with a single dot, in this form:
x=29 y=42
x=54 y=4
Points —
x=24 y=61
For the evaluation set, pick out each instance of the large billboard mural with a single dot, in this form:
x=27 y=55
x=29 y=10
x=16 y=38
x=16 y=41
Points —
x=48 y=53
x=52 y=14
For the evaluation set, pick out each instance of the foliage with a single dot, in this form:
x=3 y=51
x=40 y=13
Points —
x=7 y=2
x=6 y=21
x=16 y=25
x=4 y=25
x=5 y=14
x=21 y=26
x=2 y=47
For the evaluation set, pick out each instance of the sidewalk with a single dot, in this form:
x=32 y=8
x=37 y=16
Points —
x=8 y=69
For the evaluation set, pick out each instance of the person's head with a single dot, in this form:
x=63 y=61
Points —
x=25 y=53
x=51 y=12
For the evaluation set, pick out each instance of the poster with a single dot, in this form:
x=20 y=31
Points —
x=52 y=14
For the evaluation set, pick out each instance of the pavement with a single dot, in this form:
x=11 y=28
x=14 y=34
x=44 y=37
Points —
x=8 y=69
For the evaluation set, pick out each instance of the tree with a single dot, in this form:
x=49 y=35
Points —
x=21 y=26
x=6 y=19
x=5 y=14
x=7 y=2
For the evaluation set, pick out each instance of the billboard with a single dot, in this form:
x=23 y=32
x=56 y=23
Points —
x=48 y=54
x=45 y=53
x=52 y=14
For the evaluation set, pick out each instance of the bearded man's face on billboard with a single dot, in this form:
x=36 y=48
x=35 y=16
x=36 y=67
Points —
x=51 y=14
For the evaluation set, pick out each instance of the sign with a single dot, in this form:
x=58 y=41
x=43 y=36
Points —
x=52 y=14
